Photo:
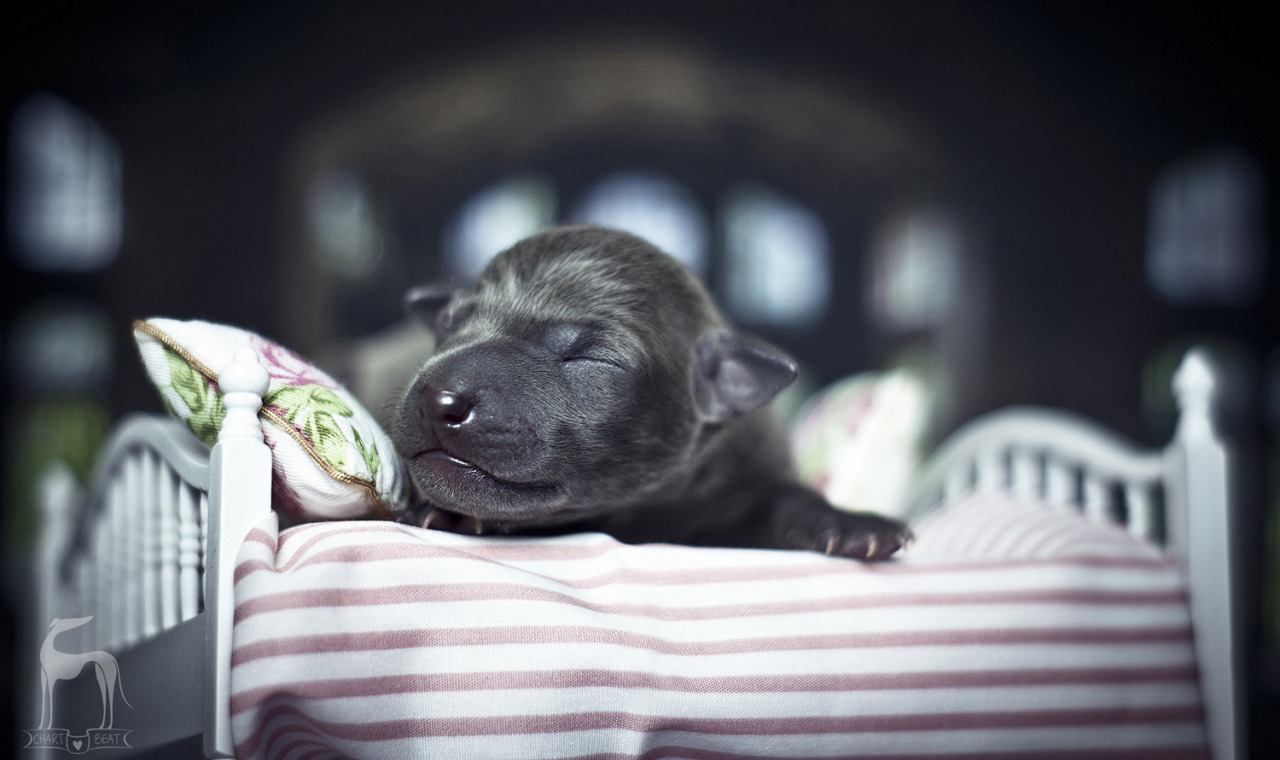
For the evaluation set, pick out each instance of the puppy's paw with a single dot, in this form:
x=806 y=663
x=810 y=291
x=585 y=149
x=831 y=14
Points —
x=857 y=535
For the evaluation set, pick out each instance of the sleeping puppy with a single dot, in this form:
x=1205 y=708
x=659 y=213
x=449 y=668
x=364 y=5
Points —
x=588 y=382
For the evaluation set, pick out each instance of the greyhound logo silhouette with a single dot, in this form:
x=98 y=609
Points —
x=57 y=665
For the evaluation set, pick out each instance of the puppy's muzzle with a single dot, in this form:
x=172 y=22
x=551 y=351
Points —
x=477 y=431
x=474 y=407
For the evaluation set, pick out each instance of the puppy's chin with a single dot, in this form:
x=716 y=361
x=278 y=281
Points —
x=459 y=486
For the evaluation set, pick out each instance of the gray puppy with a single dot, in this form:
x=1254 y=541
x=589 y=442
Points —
x=588 y=382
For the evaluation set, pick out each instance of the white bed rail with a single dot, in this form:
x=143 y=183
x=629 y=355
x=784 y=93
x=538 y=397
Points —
x=1177 y=498
x=1049 y=457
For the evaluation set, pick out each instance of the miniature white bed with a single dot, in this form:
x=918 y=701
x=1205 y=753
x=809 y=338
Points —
x=1059 y=635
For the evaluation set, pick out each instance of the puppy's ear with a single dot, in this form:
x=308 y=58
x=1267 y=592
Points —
x=734 y=374
x=424 y=302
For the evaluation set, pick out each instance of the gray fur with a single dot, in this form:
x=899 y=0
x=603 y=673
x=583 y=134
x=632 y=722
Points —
x=587 y=381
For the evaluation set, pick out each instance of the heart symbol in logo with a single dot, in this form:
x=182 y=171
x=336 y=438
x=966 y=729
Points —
x=77 y=743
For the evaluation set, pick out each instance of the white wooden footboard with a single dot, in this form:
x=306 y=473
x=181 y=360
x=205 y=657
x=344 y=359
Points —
x=142 y=576
x=1177 y=498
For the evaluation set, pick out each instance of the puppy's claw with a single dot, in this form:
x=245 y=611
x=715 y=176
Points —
x=861 y=536
x=439 y=519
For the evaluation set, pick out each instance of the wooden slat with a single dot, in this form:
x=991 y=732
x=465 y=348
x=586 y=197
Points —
x=1025 y=473
x=1141 y=507
x=1096 y=499
x=169 y=487
x=189 y=557
x=148 y=508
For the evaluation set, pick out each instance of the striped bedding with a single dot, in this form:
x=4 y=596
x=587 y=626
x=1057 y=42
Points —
x=1007 y=630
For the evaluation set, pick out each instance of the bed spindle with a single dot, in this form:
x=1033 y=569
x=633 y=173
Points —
x=115 y=523
x=1097 y=499
x=203 y=498
x=1141 y=507
x=168 y=548
x=133 y=553
x=1059 y=480
x=189 y=556
x=990 y=466
x=150 y=472
x=102 y=614
x=1025 y=473
x=956 y=482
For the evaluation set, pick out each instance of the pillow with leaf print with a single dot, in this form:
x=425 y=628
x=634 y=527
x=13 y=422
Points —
x=330 y=458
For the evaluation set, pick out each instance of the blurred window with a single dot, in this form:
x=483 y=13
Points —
x=778 y=260
x=343 y=224
x=654 y=207
x=1205 y=231
x=60 y=346
x=773 y=263
x=64 y=188
x=915 y=267
x=495 y=219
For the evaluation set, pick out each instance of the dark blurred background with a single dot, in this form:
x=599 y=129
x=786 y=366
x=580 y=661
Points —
x=1033 y=202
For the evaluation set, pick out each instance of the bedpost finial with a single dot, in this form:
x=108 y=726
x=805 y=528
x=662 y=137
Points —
x=1193 y=387
x=244 y=374
x=243 y=383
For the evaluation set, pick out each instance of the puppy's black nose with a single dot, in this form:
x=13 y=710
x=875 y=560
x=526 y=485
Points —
x=449 y=407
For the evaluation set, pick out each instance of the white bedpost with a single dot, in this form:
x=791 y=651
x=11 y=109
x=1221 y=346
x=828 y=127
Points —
x=239 y=496
x=1199 y=533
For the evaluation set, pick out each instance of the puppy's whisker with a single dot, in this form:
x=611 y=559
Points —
x=393 y=402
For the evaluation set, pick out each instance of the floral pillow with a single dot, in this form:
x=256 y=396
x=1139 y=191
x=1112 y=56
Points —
x=330 y=458
x=858 y=442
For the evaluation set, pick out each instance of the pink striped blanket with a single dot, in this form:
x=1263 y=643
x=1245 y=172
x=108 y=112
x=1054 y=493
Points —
x=1006 y=630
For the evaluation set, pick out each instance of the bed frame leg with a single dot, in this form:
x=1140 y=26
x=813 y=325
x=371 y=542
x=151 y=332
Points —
x=239 y=496
x=1200 y=534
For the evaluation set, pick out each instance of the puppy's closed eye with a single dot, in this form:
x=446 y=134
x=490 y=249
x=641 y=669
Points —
x=580 y=344
x=587 y=360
